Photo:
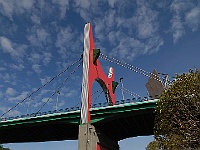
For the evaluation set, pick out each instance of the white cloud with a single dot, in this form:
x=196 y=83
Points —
x=193 y=18
x=5 y=77
x=18 y=67
x=177 y=28
x=7 y=45
x=83 y=4
x=10 y=91
x=68 y=42
x=112 y=3
x=38 y=36
x=20 y=97
x=45 y=99
x=47 y=58
x=35 y=58
x=2 y=68
x=132 y=35
x=145 y=20
x=45 y=80
x=10 y=7
x=8 y=78
x=42 y=34
x=63 y=5
x=7 y=7
x=185 y=13
x=12 y=113
x=71 y=93
x=1 y=94
x=15 y=50
x=37 y=68
x=35 y=19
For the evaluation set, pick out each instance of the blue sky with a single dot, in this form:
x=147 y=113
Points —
x=39 y=39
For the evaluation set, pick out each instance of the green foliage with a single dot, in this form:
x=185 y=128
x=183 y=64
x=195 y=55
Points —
x=177 y=121
x=154 y=145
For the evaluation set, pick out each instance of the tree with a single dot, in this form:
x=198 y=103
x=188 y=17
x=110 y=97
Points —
x=1 y=148
x=177 y=120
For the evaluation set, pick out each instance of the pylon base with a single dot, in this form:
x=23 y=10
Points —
x=90 y=138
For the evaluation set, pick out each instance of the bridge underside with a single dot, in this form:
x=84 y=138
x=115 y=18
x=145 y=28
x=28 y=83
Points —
x=128 y=125
x=117 y=127
x=40 y=132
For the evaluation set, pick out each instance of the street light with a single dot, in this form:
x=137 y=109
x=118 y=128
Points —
x=28 y=105
x=57 y=101
x=122 y=88
x=166 y=79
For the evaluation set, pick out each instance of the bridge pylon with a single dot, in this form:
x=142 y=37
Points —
x=92 y=71
x=91 y=138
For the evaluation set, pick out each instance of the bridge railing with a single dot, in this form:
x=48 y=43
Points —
x=71 y=109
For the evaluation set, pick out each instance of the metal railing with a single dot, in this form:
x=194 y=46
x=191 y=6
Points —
x=71 y=109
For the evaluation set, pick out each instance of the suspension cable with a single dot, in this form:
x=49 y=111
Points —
x=130 y=67
x=92 y=95
x=128 y=91
x=58 y=88
x=41 y=87
x=95 y=92
x=97 y=96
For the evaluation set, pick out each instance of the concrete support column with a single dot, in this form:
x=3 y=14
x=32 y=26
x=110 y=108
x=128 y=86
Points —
x=90 y=138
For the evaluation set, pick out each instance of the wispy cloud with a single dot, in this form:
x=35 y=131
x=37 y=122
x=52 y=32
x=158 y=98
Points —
x=10 y=91
x=10 y=7
x=35 y=57
x=45 y=80
x=37 y=68
x=47 y=58
x=18 y=67
x=8 y=78
x=18 y=98
x=35 y=19
x=177 y=27
x=12 y=113
x=16 y=51
x=145 y=20
x=38 y=36
x=193 y=18
x=7 y=46
x=68 y=42
x=185 y=14
x=63 y=6
x=142 y=25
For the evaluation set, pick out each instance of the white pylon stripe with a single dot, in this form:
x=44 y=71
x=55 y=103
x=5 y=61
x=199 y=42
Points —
x=84 y=94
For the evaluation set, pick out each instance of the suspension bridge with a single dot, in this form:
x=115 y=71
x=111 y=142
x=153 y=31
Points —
x=96 y=126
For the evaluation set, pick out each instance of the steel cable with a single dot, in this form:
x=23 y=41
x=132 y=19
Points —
x=75 y=69
x=130 y=67
x=41 y=87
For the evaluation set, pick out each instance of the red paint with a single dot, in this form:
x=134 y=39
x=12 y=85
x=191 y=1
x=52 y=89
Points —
x=100 y=147
x=96 y=71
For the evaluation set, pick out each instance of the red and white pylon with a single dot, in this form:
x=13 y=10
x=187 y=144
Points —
x=92 y=71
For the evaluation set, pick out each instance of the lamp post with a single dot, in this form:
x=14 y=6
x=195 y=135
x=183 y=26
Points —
x=28 y=105
x=57 y=101
x=121 y=81
x=166 y=80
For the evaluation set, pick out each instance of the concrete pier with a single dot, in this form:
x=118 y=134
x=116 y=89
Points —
x=90 y=138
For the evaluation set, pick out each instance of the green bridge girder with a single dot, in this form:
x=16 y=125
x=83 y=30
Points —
x=118 y=121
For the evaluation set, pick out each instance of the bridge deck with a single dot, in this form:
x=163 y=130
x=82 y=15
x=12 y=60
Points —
x=118 y=122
